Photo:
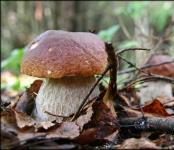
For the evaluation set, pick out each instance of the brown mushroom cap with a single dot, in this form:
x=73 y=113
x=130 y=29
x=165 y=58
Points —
x=57 y=53
x=164 y=69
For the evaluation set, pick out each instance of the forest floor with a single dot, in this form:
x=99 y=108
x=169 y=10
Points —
x=132 y=124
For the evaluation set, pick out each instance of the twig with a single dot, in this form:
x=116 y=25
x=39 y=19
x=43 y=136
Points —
x=151 y=123
x=56 y=115
x=131 y=49
x=130 y=63
x=149 y=78
x=87 y=96
x=144 y=67
x=123 y=27
x=149 y=75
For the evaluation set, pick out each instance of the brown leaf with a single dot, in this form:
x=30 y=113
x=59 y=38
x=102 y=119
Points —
x=26 y=101
x=141 y=143
x=23 y=120
x=87 y=136
x=68 y=130
x=11 y=133
x=85 y=116
x=102 y=124
x=43 y=124
x=132 y=112
x=7 y=117
x=25 y=104
x=34 y=88
x=155 y=108
x=8 y=137
x=24 y=135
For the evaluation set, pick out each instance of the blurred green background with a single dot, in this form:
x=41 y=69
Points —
x=143 y=24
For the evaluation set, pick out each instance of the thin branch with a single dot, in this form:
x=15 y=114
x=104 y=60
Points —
x=131 y=49
x=123 y=27
x=87 y=96
x=56 y=115
x=149 y=78
x=130 y=63
x=149 y=75
x=144 y=67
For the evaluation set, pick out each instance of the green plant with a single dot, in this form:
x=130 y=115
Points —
x=12 y=63
x=108 y=34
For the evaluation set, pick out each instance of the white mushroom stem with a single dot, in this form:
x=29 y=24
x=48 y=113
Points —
x=155 y=89
x=62 y=97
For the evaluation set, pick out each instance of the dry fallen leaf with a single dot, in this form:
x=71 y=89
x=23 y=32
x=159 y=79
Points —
x=23 y=120
x=141 y=143
x=34 y=88
x=100 y=127
x=155 y=108
x=68 y=130
x=8 y=137
x=26 y=102
x=96 y=120
x=85 y=116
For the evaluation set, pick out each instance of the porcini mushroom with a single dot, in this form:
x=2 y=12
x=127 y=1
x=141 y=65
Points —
x=68 y=61
x=158 y=88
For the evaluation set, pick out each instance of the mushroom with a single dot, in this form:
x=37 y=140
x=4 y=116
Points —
x=157 y=88
x=68 y=62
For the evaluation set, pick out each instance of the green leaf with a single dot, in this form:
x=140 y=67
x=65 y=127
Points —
x=128 y=44
x=136 y=9
x=108 y=34
x=12 y=63
x=160 y=18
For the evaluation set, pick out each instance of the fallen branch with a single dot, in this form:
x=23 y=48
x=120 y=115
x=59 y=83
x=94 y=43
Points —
x=149 y=123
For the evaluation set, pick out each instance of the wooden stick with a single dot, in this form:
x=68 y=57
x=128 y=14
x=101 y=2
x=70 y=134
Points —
x=149 y=123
